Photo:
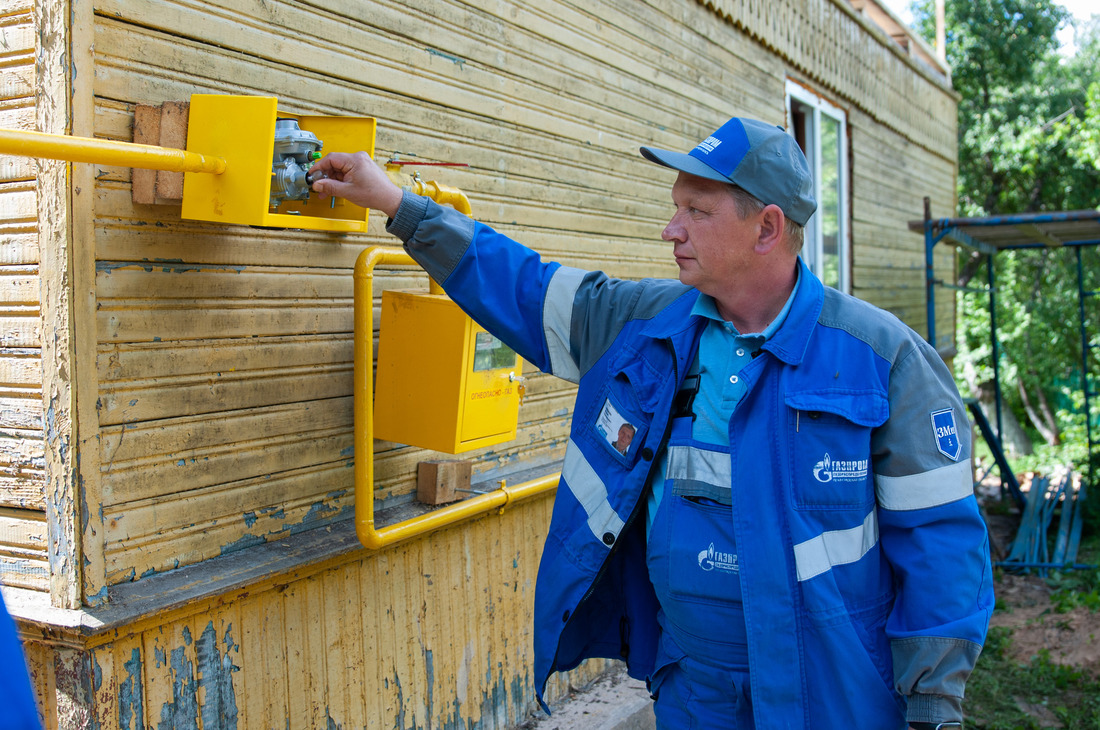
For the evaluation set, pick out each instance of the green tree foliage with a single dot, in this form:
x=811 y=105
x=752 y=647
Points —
x=1029 y=141
x=1021 y=106
x=1040 y=341
x=1082 y=131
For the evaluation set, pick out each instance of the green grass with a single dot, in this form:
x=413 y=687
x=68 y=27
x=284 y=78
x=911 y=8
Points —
x=1074 y=589
x=1000 y=687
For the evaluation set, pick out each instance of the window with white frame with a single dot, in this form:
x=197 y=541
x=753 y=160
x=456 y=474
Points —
x=821 y=131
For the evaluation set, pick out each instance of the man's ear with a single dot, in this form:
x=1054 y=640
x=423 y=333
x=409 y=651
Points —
x=772 y=224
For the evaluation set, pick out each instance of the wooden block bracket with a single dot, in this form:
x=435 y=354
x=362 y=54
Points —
x=164 y=125
x=440 y=482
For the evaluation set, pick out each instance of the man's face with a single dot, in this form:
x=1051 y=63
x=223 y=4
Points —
x=710 y=241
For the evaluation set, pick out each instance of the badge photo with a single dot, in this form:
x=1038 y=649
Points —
x=615 y=429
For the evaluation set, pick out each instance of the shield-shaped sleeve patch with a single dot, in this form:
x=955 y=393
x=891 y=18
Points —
x=946 y=433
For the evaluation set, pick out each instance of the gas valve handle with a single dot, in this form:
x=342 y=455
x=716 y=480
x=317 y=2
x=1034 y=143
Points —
x=521 y=385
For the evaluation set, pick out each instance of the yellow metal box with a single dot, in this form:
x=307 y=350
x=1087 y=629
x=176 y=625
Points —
x=443 y=382
x=241 y=129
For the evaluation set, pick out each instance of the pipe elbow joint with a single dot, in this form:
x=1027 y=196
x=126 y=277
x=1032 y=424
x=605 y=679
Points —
x=369 y=537
x=454 y=197
x=440 y=193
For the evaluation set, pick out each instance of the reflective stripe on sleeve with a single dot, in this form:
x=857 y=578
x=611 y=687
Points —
x=836 y=547
x=557 y=321
x=700 y=473
x=589 y=490
x=927 y=489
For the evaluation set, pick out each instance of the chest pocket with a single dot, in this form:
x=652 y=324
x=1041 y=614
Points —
x=829 y=434
x=620 y=418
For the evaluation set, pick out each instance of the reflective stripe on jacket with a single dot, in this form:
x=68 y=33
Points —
x=864 y=566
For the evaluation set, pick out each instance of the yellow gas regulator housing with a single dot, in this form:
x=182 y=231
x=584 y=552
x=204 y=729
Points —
x=268 y=153
x=444 y=383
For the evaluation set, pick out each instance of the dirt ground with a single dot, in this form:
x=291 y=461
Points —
x=1073 y=638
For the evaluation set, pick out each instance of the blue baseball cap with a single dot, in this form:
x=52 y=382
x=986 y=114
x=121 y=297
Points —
x=757 y=157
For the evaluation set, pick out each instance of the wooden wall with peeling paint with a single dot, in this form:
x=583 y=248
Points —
x=190 y=405
x=434 y=633
x=22 y=456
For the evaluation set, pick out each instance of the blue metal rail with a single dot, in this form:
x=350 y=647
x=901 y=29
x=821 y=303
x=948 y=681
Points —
x=994 y=443
x=1031 y=548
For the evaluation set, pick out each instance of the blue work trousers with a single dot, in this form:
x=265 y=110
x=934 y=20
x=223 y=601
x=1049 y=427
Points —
x=690 y=695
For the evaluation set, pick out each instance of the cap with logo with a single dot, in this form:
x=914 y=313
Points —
x=757 y=157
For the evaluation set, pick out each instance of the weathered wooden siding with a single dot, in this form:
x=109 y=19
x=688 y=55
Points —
x=888 y=170
x=430 y=634
x=23 y=541
x=223 y=354
x=38 y=530
x=201 y=332
x=847 y=55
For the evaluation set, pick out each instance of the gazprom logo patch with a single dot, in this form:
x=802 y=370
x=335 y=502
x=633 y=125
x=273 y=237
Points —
x=947 y=434
x=708 y=145
x=841 y=470
x=711 y=559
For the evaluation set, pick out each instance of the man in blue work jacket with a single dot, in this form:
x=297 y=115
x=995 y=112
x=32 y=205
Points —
x=788 y=538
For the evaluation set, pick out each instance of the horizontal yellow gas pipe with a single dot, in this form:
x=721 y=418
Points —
x=369 y=535
x=123 y=154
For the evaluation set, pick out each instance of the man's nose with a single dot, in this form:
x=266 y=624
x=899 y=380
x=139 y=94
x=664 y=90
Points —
x=673 y=231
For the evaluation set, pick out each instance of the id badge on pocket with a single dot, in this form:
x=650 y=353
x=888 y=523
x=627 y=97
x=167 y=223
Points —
x=615 y=428
x=620 y=431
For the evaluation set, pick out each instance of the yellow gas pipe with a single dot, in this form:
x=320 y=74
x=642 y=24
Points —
x=368 y=534
x=442 y=194
x=124 y=154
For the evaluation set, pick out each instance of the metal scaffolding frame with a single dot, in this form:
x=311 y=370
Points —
x=991 y=235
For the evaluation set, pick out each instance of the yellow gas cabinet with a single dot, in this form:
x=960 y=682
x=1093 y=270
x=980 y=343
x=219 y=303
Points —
x=443 y=382
x=268 y=153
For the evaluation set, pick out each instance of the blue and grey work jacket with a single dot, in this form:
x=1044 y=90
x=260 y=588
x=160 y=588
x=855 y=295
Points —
x=864 y=563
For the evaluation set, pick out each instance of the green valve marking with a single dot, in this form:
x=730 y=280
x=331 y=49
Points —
x=314 y=155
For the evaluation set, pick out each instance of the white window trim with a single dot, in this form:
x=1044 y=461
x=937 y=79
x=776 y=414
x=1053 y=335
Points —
x=814 y=234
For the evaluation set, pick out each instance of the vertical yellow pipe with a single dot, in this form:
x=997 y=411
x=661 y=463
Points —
x=363 y=376
x=442 y=194
x=363 y=387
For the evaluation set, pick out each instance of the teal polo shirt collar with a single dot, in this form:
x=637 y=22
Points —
x=705 y=306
